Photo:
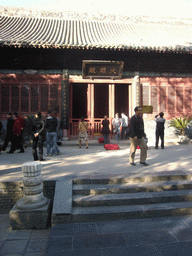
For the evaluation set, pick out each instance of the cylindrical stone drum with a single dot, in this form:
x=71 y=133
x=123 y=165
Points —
x=33 y=187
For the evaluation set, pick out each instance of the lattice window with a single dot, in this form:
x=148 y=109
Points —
x=179 y=99
x=146 y=95
x=188 y=99
x=5 y=98
x=54 y=97
x=34 y=97
x=44 y=97
x=25 y=98
x=154 y=98
x=162 y=103
x=15 y=98
x=171 y=99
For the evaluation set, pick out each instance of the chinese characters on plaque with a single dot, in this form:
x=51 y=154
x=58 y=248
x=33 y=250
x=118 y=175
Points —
x=103 y=69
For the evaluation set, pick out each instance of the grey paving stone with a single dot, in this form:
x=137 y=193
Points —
x=141 y=250
x=3 y=233
x=99 y=241
x=11 y=254
x=19 y=234
x=40 y=233
x=187 y=220
x=175 y=249
x=34 y=254
x=184 y=234
x=149 y=237
x=70 y=228
x=37 y=245
x=14 y=246
x=62 y=203
x=106 y=209
x=167 y=206
x=123 y=226
x=60 y=243
x=74 y=229
x=78 y=252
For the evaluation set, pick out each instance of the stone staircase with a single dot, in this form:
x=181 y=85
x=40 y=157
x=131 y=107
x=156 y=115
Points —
x=97 y=199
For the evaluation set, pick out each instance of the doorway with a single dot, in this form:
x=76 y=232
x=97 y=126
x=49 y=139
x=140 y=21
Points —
x=121 y=99
x=101 y=100
x=79 y=104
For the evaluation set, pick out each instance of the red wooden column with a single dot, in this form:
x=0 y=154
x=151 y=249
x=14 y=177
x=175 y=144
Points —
x=90 y=108
x=111 y=104
x=70 y=109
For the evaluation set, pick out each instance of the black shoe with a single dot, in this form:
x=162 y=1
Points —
x=144 y=163
x=86 y=147
x=37 y=159
x=133 y=164
x=42 y=159
x=162 y=147
x=156 y=147
x=21 y=151
x=10 y=152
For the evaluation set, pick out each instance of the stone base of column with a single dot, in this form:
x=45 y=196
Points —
x=39 y=218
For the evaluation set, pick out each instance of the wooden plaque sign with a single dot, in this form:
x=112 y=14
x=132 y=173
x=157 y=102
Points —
x=147 y=109
x=93 y=69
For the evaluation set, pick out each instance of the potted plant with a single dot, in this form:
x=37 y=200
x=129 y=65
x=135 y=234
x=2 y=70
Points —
x=181 y=124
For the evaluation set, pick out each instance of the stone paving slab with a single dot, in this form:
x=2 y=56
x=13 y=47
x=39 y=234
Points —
x=97 y=162
x=126 y=237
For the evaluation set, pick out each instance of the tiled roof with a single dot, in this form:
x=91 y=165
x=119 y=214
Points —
x=86 y=33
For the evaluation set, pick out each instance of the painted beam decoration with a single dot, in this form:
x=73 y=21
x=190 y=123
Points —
x=147 y=109
x=93 y=69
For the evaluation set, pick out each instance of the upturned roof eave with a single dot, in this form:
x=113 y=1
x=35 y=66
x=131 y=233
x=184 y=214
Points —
x=20 y=44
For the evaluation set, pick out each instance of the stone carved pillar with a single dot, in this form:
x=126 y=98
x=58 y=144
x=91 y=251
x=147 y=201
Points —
x=33 y=211
x=33 y=187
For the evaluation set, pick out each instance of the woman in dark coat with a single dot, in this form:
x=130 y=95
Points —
x=105 y=130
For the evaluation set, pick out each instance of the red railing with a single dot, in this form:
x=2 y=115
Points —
x=94 y=127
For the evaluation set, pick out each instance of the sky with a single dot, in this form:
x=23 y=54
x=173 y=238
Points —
x=163 y=8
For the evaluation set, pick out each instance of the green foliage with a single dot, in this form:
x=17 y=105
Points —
x=181 y=123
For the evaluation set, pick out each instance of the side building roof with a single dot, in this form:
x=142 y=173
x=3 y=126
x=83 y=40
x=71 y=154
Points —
x=25 y=29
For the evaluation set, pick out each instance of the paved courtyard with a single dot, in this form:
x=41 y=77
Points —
x=156 y=236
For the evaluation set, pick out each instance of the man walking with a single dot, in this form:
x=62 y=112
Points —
x=38 y=129
x=17 y=135
x=137 y=137
x=9 y=134
x=160 y=122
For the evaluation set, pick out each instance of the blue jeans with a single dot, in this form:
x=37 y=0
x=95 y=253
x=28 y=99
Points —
x=106 y=138
x=51 y=143
x=118 y=133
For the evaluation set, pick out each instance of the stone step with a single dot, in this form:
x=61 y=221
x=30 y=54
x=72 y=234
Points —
x=133 y=178
x=86 y=214
x=97 y=189
x=131 y=198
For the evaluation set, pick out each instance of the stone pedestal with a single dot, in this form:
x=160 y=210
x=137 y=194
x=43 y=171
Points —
x=33 y=210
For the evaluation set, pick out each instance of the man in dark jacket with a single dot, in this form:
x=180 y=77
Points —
x=160 y=122
x=38 y=129
x=137 y=137
x=9 y=134
x=51 y=136
x=105 y=130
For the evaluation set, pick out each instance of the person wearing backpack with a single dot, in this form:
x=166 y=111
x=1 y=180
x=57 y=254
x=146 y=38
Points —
x=160 y=127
